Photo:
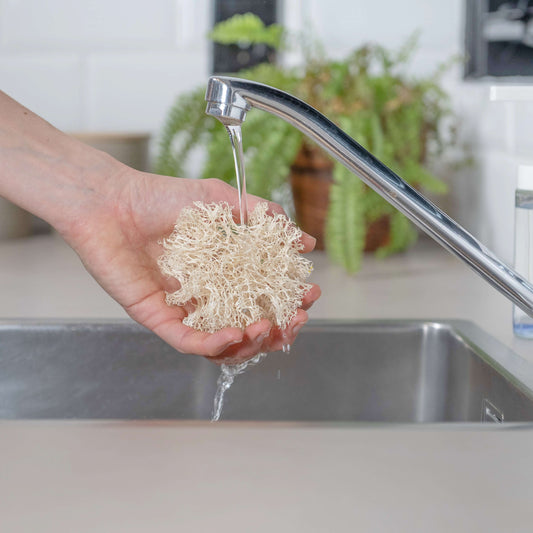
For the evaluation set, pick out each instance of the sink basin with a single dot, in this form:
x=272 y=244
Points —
x=383 y=371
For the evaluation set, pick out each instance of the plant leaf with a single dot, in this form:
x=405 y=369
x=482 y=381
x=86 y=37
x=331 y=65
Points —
x=245 y=30
x=185 y=126
x=345 y=226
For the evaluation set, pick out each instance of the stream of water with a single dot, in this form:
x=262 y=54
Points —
x=225 y=380
x=235 y=135
x=228 y=372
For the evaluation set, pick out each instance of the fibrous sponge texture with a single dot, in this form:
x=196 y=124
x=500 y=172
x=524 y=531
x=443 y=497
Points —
x=235 y=275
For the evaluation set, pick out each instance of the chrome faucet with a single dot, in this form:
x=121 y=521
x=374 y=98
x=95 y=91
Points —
x=229 y=99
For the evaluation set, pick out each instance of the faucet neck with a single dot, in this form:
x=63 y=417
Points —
x=230 y=98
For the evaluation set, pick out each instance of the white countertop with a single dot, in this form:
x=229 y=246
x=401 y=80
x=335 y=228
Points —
x=170 y=477
x=182 y=476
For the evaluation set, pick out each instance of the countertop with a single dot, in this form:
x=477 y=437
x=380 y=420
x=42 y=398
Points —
x=168 y=477
x=184 y=476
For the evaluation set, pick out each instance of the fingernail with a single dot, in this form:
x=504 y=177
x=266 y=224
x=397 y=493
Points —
x=310 y=237
x=262 y=336
x=297 y=328
x=231 y=343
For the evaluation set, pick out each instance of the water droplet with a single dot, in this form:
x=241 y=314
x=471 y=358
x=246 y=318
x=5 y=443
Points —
x=285 y=345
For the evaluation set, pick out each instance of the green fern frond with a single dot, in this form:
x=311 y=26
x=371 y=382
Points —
x=407 y=50
x=219 y=161
x=272 y=147
x=402 y=235
x=422 y=178
x=345 y=227
x=375 y=206
x=184 y=128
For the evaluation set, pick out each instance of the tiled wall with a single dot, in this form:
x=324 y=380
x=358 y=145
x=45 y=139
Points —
x=117 y=65
x=102 y=65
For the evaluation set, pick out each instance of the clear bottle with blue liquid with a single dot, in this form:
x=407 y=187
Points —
x=523 y=245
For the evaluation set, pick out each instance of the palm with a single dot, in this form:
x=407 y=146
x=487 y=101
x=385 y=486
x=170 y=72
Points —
x=119 y=246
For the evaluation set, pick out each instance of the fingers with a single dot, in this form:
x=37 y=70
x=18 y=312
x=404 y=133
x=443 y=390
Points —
x=218 y=190
x=269 y=339
x=311 y=296
x=187 y=340
x=153 y=313
x=308 y=242
x=252 y=343
x=272 y=209
x=229 y=345
x=279 y=338
x=252 y=201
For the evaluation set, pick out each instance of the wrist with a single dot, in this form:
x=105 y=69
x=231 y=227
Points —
x=81 y=185
x=48 y=173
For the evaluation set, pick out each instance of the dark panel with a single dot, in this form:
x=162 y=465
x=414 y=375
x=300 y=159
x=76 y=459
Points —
x=232 y=58
x=499 y=38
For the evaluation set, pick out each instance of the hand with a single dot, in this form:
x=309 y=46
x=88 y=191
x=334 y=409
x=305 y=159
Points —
x=116 y=234
x=113 y=217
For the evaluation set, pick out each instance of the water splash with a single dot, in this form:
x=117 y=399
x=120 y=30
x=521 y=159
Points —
x=225 y=380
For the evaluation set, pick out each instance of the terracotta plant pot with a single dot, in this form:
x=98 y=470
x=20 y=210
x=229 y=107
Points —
x=311 y=178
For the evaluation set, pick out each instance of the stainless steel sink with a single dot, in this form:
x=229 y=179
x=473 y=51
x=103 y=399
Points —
x=386 y=371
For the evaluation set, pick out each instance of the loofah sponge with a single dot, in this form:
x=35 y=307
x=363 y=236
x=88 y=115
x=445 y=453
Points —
x=235 y=275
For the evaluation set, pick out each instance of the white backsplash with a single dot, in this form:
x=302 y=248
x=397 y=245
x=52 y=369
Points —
x=94 y=24
x=102 y=65
x=118 y=65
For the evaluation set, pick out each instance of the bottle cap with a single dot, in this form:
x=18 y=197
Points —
x=525 y=178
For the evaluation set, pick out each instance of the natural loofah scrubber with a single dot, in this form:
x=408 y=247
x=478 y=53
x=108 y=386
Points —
x=234 y=274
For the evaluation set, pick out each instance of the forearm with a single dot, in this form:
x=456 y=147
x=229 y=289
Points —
x=47 y=172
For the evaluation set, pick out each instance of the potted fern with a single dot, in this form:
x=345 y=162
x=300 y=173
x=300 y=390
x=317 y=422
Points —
x=397 y=118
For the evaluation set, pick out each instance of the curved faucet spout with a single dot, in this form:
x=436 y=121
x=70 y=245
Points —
x=229 y=99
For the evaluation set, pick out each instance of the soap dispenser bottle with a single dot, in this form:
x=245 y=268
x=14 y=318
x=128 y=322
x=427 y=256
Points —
x=523 y=245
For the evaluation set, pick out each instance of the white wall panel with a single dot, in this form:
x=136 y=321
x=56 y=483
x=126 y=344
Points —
x=134 y=91
x=49 y=85
x=88 y=24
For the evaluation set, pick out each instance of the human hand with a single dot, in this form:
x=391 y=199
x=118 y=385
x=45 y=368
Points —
x=116 y=236
x=113 y=216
